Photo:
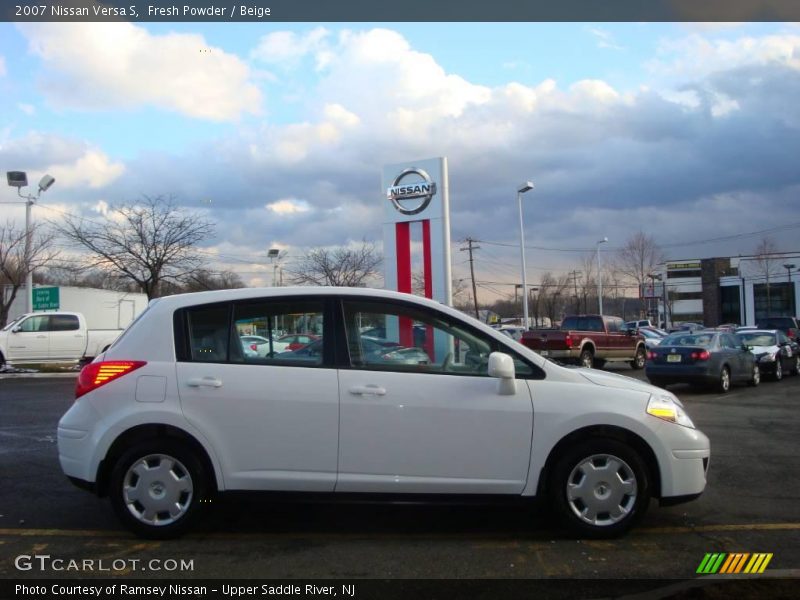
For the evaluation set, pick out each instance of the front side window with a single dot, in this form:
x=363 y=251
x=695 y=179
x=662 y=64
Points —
x=386 y=336
x=37 y=323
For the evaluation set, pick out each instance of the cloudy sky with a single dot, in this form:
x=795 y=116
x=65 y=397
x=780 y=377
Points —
x=689 y=132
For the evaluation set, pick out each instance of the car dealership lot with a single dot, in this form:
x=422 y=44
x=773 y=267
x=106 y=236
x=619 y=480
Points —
x=749 y=506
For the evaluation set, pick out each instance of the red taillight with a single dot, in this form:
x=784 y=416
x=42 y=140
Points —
x=792 y=334
x=702 y=355
x=568 y=341
x=253 y=347
x=651 y=355
x=94 y=375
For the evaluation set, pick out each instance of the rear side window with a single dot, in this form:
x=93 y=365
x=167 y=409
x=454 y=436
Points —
x=64 y=323
x=208 y=329
x=582 y=324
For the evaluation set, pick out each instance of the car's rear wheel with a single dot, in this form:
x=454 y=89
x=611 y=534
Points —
x=156 y=488
x=724 y=382
x=600 y=488
x=778 y=374
x=797 y=365
x=639 y=359
x=755 y=379
x=587 y=358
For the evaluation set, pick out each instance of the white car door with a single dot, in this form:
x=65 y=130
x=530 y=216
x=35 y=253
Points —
x=273 y=422
x=437 y=426
x=67 y=341
x=30 y=339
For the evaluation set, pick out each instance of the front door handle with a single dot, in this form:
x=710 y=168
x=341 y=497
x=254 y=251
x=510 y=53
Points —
x=204 y=382
x=367 y=390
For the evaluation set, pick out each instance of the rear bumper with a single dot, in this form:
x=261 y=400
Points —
x=680 y=374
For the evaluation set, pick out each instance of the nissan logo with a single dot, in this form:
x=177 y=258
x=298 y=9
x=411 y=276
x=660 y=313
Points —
x=419 y=191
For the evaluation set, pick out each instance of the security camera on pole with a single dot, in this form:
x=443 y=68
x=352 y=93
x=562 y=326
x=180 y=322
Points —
x=19 y=180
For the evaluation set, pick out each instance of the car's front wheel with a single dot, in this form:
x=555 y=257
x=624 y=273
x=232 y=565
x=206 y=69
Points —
x=156 y=488
x=778 y=374
x=797 y=365
x=724 y=381
x=599 y=488
x=755 y=378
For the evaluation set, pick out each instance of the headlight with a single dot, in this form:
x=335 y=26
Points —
x=767 y=358
x=668 y=408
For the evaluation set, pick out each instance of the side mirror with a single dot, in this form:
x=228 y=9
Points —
x=16 y=330
x=501 y=366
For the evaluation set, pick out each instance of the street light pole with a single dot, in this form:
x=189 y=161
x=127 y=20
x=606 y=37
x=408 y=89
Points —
x=19 y=180
x=789 y=267
x=525 y=187
x=600 y=277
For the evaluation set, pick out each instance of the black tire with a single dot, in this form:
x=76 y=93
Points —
x=587 y=358
x=724 y=381
x=615 y=510
x=796 y=365
x=777 y=375
x=153 y=455
x=639 y=359
x=755 y=379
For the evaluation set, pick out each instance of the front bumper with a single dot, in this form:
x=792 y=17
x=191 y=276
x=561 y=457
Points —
x=684 y=470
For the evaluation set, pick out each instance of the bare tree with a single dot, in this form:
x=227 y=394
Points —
x=147 y=242
x=552 y=293
x=458 y=288
x=203 y=279
x=768 y=264
x=638 y=258
x=340 y=266
x=14 y=268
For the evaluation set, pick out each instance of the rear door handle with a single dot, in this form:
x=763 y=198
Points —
x=367 y=390
x=204 y=382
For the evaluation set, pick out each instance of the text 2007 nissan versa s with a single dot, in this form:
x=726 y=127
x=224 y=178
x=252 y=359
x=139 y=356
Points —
x=396 y=395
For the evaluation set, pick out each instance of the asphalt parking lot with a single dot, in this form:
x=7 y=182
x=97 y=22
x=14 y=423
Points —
x=750 y=505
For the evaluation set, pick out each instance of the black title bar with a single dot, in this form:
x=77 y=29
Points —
x=398 y=11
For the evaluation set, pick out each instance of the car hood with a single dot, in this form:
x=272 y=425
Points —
x=617 y=381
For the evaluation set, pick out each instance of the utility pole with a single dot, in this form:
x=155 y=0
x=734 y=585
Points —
x=577 y=298
x=470 y=247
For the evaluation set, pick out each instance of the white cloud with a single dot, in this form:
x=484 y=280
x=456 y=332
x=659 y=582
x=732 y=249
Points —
x=28 y=109
x=605 y=39
x=696 y=55
x=2 y=66
x=288 y=206
x=119 y=65
x=94 y=169
x=286 y=47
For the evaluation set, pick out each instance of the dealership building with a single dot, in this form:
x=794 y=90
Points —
x=740 y=289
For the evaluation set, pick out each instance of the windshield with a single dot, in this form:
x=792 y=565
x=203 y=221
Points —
x=688 y=339
x=12 y=323
x=757 y=339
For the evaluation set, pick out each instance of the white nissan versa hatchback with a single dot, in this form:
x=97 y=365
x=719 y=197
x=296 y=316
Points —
x=174 y=412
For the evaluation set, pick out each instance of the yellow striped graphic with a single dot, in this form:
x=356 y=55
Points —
x=758 y=563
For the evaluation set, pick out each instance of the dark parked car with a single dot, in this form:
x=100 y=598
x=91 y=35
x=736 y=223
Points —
x=787 y=325
x=706 y=357
x=775 y=352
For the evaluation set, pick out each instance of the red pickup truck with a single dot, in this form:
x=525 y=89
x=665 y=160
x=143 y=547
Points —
x=590 y=341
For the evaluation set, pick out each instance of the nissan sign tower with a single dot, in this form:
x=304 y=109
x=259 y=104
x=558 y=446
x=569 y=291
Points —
x=417 y=192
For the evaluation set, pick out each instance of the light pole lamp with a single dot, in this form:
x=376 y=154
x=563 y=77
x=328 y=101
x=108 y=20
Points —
x=19 y=180
x=275 y=255
x=600 y=277
x=525 y=187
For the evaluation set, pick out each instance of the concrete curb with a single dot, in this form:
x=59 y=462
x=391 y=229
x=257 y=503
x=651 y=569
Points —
x=36 y=375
